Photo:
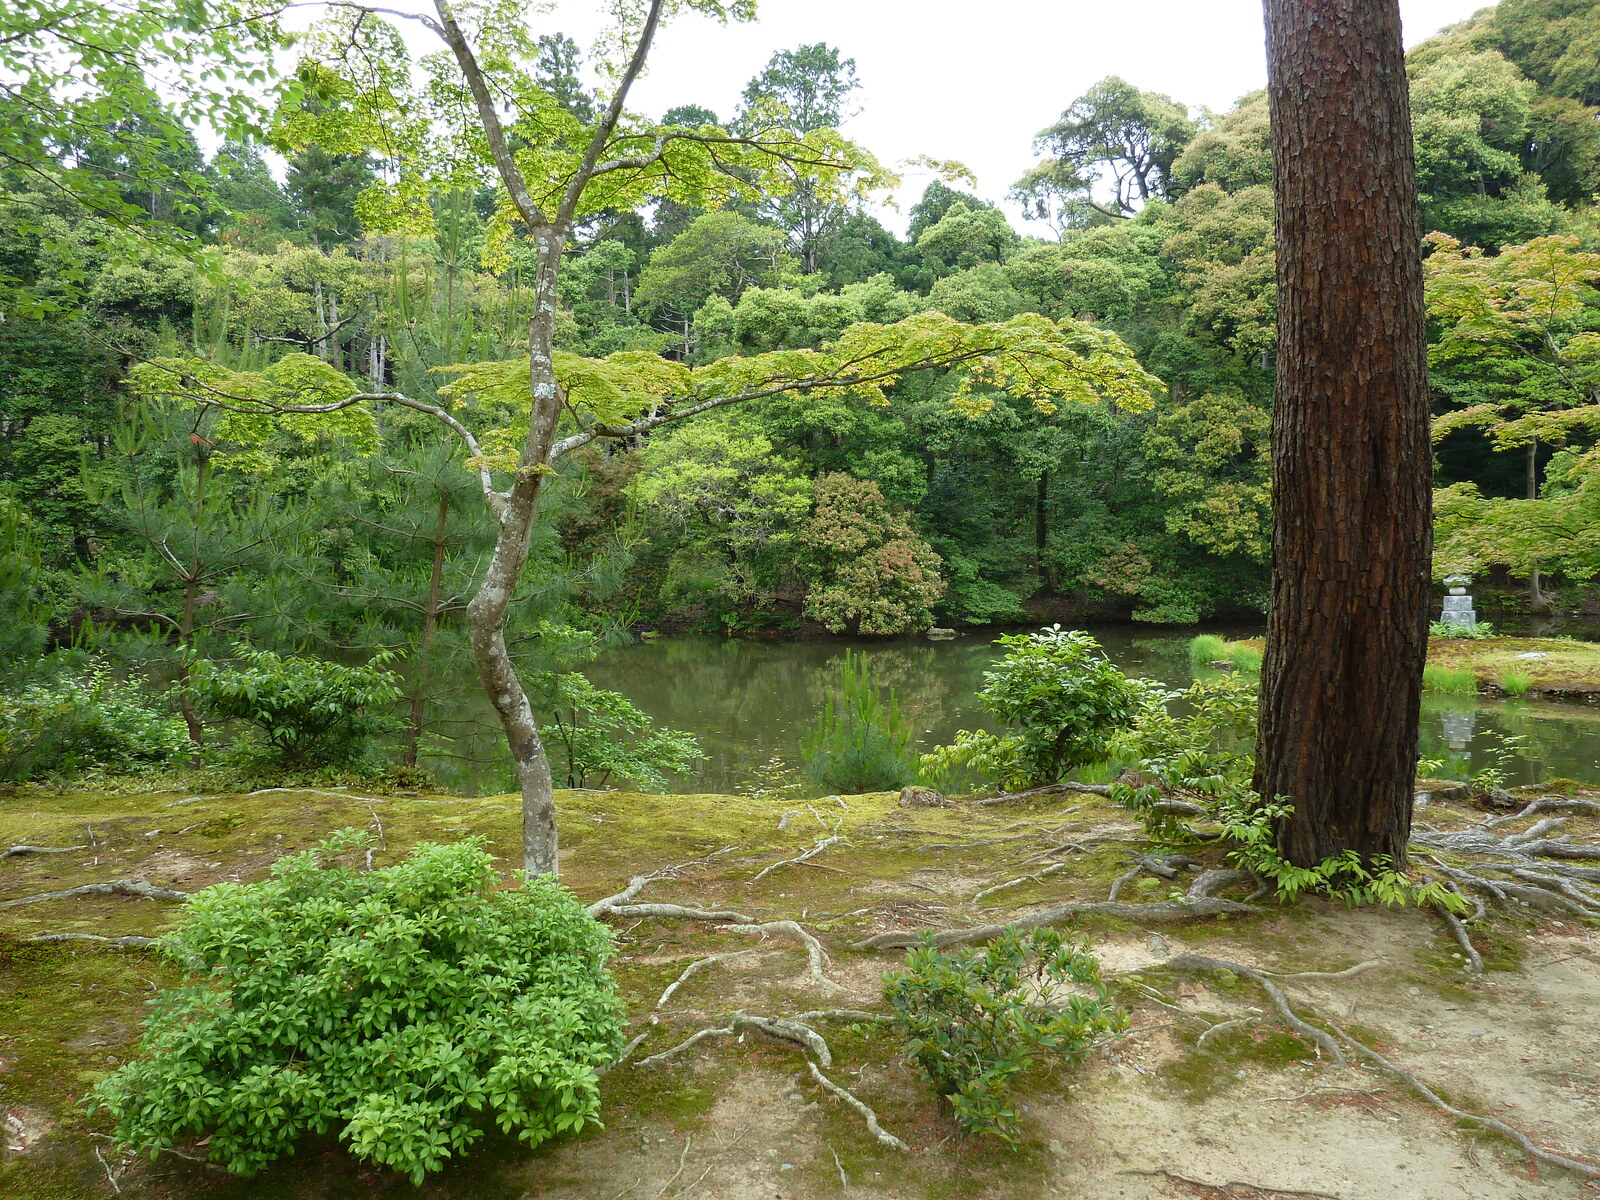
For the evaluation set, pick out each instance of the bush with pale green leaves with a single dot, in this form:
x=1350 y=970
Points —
x=64 y=726
x=405 y=1010
x=1061 y=701
x=306 y=712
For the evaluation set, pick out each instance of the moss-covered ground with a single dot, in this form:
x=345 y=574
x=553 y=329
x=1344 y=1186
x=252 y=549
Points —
x=740 y=1119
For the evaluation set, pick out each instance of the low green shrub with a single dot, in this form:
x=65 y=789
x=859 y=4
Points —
x=403 y=1009
x=860 y=742
x=600 y=736
x=1208 y=648
x=973 y=1019
x=1449 y=629
x=1062 y=701
x=1515 y=683
x=62 y=727
x=306 y=712
x=1450 y=680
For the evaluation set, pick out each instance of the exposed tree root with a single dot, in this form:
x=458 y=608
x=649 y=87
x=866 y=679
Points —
x=698 y=964
x=127 y=942
x=1091 y=789
x=120 y=887
x=1324 y=1043
x=639 y=882
x=293 y=791
x=1220 y=1027
x=782 y=1028
x=680 y=911
x=1544 y=804
x=18 y=851
x=1325 y=1039
x=1459 y=932
x=1010 y=883
x=1227 y=1186
x=1200 y=901
x=1347 y=973
x=1521 y=1139
x=870 y=1117
x=831 y=840
x=816 y=957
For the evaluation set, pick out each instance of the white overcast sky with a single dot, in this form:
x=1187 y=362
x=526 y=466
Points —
x=974 y=80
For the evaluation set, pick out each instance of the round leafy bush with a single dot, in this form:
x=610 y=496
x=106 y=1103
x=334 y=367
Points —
x=404 y=1009
x=1062 y=702
x=71 y=724
x=310 y=713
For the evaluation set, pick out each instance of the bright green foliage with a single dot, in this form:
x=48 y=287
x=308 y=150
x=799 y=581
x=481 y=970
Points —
x=1515 y=683
x=307 y=712
x=1211 y=458
x=868 y=570
x=726 y=508
x=1449 y=680
x=602 y=735
x=1454 y=631
x=1062 y=700
x=1117 y=133
x=860 y=742
x=64 y=726
x=974 y=1019
x=403 y=1009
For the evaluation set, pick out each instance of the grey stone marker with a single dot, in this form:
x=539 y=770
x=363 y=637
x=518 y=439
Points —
x=1458 y=608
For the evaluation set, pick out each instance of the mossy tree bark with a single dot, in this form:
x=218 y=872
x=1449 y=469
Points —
x=1352 y=526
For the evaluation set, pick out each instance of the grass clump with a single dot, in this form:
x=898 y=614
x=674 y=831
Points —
x=860 y=743
x=1209 y=648
x=1449 y=680
x=1515 y=683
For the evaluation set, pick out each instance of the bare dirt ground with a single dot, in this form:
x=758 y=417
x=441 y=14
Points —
x=1208 y=1094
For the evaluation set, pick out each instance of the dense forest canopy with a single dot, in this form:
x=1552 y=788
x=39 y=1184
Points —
x=332 y=243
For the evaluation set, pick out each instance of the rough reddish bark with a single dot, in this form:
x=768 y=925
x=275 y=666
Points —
x=1352 y=526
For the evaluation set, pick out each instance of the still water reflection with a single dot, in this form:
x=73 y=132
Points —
x=750 y=701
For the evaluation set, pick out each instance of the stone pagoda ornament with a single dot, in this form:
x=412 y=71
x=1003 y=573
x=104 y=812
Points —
x=1458 y=608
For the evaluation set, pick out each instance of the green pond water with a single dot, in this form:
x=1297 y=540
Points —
x=750 y=701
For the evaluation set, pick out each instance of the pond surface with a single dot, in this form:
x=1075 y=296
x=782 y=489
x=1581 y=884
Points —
x=750 y=701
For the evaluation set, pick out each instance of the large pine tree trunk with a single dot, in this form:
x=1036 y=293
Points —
x=1352 y=531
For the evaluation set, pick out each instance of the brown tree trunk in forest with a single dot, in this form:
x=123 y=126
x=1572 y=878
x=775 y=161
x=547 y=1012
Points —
x=1352 y=524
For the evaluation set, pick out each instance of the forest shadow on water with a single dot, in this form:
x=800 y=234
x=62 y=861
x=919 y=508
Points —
x=749 y=702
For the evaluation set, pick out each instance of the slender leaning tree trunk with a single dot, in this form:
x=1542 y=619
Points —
x=486 y=613
x=1351 y=520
